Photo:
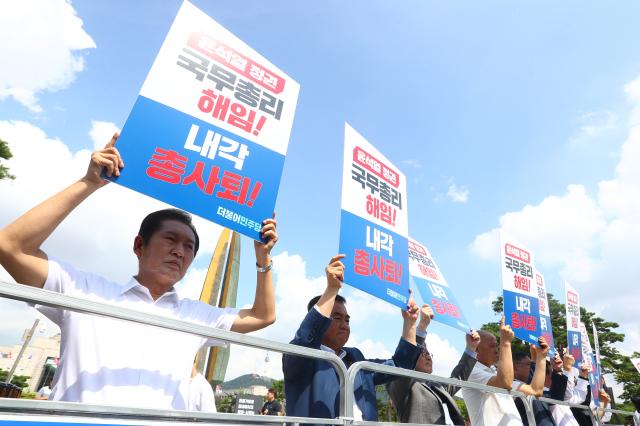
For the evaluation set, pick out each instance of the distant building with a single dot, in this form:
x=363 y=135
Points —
x=41 y=352
x=258 y=390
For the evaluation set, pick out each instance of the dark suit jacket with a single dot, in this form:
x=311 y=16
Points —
x=312 y=385
x=541 y=409
x=417 y=401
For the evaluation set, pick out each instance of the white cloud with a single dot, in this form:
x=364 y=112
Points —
x=458 y=194
x=445 y=356
x=632 y=90
x=40 y=41
x=561 y=230
x=101 y=133
x=412 y=163
x=591 y=238
x=98 y=235
x=593 y=125
x=485 y=301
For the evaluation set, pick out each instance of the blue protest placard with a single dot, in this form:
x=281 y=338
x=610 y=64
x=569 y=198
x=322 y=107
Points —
x=373 y=222
x=210 y=129
x=521 y=305
x=545 y=314
x=572 y=310
x=595 y=380
x=433 y=288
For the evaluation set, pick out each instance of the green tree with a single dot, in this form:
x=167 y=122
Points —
x=278 y=386
x=225 y=403
x=5 y=154
x=462 y=407
x=384 y=405
x=629 y=377
x=20 y=381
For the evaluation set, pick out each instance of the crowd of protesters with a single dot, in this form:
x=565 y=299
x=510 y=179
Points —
x=105 y=361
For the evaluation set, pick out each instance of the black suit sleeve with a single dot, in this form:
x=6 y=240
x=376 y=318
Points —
x=558 y=386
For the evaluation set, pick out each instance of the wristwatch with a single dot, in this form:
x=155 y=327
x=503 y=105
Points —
x=264 y=268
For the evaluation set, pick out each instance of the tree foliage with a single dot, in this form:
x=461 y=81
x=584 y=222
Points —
x=278 y=386
x=629 y=377
x=5 y=154
x=384 y=405
x=225 y=403
x=20 y=381
x=463 y=408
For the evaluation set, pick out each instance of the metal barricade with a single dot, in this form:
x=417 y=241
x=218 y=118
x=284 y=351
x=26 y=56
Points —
x=346 y=377
x=636 y=418
x=594 y=417
x=34 y=295
x=356 y=367
x=572 y=405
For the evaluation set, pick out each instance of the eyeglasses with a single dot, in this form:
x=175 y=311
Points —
x=426 y=354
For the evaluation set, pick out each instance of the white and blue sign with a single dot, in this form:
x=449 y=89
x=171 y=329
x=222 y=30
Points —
x=373 y=222
x=595 y=380
x=545 y=313
x=433 y=288
x=574 y=334
x=210 y=129
x=521 y=305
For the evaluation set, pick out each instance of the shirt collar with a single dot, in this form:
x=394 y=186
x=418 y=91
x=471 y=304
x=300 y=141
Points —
x=128 y=286
x=491 y=368
x=134 y=284
x=342 y=353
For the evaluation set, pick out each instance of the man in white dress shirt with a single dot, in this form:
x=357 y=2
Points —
x=494 y=368
x=106 y=361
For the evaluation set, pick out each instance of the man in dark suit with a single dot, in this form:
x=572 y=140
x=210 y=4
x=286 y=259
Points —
x=419 y=401
x=312 y=385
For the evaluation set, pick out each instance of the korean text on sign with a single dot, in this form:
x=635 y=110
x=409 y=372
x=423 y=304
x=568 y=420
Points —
x=210 y=129
x=574 y=334
x=373 y=225
x=433 y=288
x=520 y=290
x=545 y=314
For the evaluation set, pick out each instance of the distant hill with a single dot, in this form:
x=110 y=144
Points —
x=247 y=380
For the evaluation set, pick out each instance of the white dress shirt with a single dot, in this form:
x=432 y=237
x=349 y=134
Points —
x=113 y=362
x=199 y=394
x=486 y=408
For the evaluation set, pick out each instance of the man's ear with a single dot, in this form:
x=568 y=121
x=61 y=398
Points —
x=138 y=243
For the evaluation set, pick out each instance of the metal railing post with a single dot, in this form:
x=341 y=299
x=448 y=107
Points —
x=595 y=419
x=356 y=367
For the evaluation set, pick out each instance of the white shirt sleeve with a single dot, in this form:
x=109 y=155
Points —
x=64 y=278
x=221 y=318
x=580 y=391
x=61 y=278
x=480 y=375
x=571 y=383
